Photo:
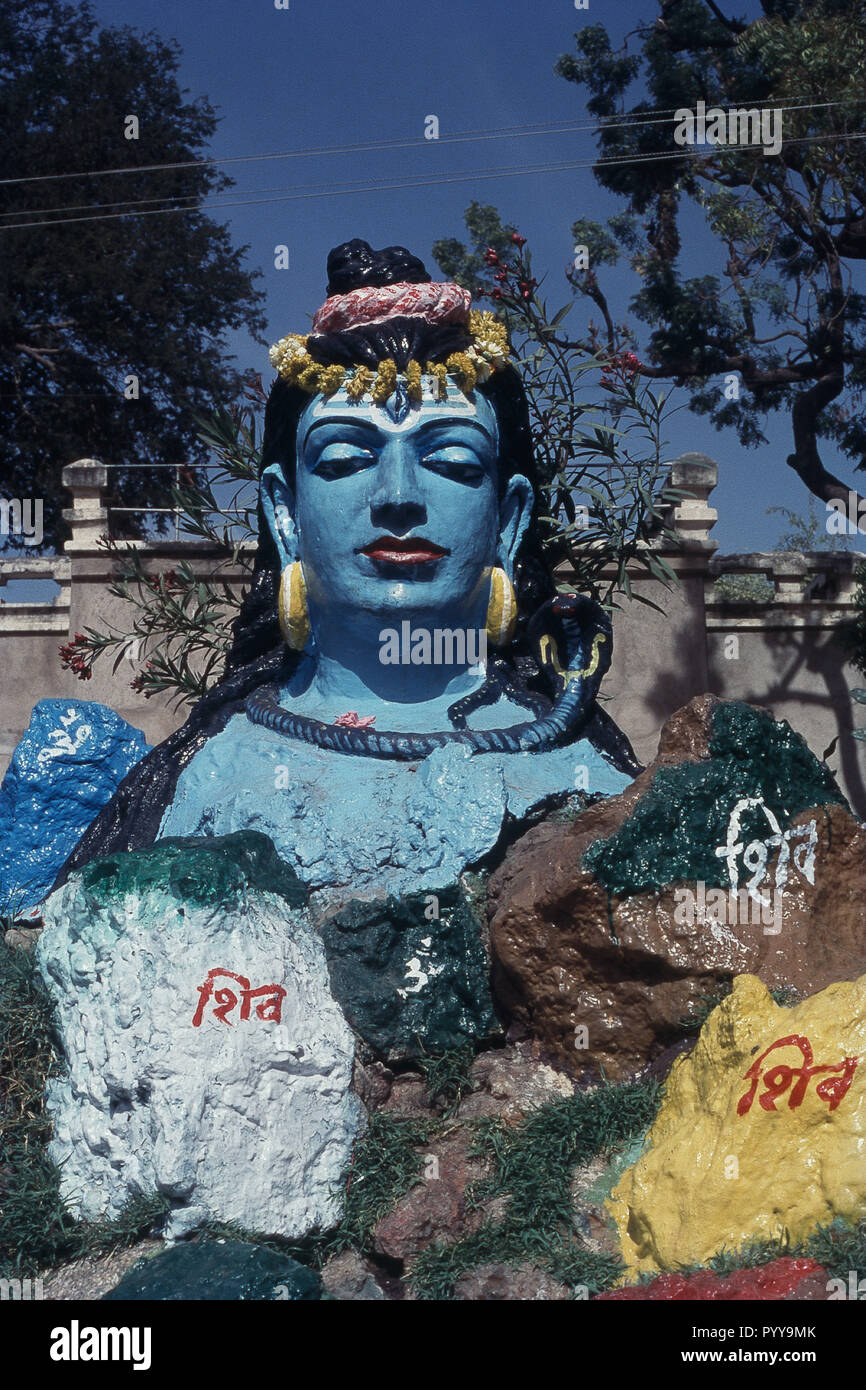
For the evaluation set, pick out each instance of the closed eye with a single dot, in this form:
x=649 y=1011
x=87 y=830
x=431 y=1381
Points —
x=342 y=460
x=461 y=464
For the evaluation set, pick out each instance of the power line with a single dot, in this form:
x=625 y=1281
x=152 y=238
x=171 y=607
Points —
x=390 y=185
x=662 y=116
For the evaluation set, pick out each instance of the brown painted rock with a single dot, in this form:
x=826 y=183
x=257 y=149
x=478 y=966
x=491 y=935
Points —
x=372 y=1082
x=490 y=1282
x=408 y=1097
x=511 y=1082
x=604 y=979
x=435 y=1209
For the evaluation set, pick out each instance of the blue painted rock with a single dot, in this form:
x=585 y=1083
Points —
x=69 y=763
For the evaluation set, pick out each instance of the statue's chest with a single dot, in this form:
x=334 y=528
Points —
x=375 y=826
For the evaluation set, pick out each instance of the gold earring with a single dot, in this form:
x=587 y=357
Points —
x=501 y=610
x=292 y=607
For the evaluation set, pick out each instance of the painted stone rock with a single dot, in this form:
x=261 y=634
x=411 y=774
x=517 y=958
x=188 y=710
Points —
x=206 y=1056
x=223 y=1271
x=411 y=974
x=760 y=1135
x=783 y=1280
x=69 y=763
x=733 y=853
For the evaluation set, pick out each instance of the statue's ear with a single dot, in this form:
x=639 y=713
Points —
x=278 y=505
x=514 y=513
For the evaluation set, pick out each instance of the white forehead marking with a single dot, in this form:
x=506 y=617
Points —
x=455 y=404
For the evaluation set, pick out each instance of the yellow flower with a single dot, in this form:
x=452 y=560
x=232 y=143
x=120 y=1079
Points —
x=386 y=381
x=484 y=325
x=459 y=365
x=359 y=384
x=413 y=380
x=309 y=377
x=489 y=342
x=437 y=370
x=332 y=379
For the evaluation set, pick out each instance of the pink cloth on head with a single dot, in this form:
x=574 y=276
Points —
x=436 y=302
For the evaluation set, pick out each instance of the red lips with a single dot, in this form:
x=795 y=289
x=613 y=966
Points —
x=403 y=550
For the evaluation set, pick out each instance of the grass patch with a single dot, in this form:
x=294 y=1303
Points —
x=533 y=1166
x=447 y=1078
x=386 y=1163
x=35 y=1227
x=839 y=1246
x=703 y=1006
x=437 y=1269
x=312 y=1250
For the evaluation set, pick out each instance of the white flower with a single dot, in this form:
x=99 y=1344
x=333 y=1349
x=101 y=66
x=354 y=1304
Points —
x=479 y=362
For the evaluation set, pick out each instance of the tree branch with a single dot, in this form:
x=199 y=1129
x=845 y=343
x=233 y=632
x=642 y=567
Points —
x=736 y=26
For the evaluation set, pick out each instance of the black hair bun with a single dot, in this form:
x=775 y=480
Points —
x=355 y=264
x=400 y=338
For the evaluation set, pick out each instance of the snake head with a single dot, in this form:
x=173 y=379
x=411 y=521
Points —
x=572 y=639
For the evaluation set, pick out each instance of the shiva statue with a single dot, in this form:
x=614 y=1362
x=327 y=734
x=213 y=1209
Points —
x=405 y=685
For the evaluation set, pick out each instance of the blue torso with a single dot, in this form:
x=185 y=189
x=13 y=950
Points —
x=376 y=826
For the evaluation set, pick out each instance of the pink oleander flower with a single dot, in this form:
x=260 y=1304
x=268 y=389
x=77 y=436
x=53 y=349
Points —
x=353 y=721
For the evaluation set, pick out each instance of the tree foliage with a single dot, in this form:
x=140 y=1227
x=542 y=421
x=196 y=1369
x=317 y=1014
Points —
x=596 y=427
x=84 y=305
x=782 y=309
x=178 y=627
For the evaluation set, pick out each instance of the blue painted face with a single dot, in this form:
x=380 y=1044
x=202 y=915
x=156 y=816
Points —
x=398 y=517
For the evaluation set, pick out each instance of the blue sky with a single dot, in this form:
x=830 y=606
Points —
x=338 y=73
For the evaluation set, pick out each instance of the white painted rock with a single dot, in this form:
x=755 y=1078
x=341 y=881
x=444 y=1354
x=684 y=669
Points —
x=207 y=1058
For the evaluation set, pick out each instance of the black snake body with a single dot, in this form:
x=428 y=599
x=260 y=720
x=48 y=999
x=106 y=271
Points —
x=570 y=624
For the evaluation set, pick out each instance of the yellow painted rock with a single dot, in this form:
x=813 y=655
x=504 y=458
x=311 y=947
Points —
x=762 y=1131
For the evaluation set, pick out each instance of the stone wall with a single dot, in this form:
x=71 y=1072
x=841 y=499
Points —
x=778 y=653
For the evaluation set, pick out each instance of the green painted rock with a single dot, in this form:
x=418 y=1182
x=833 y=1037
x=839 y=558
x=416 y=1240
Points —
x=408 y=982
x=224 y=1270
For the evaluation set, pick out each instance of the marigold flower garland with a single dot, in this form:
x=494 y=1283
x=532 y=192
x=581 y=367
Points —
x=488 y=352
